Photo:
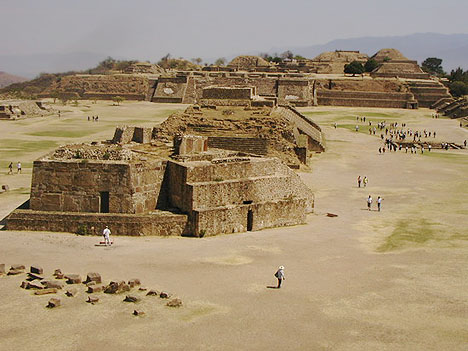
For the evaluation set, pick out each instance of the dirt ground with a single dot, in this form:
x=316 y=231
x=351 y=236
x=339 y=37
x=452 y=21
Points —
x=365 y=280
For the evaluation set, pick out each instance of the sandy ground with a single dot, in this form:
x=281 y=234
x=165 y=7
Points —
x=390 y=280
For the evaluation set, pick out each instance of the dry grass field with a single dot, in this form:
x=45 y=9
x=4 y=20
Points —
x=365 y=280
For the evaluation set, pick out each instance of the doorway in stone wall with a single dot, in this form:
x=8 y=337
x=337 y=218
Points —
x=104 y=200
x=249 y=220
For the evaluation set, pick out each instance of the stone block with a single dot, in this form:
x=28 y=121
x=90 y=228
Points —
x=73 y=278
x=95 y=288
x=92 y=299
x=2 y=268
x=71 y=292
x=174 y=303
x=17 y=267
x=45 y=291
x=24 y=284
x=93 y=277
x=152 y=293
x=164 y=295
x=138 y=313
x=58 y=272
x=54 y=302
x=15 y=271
x=36 y=270
x=116 y=287
x=142 y=288
x=134 y=282
x=33 y=276
x=52 y=284
x=131 y=298
x=35 y=284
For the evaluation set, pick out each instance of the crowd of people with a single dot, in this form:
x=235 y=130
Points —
x=94 y=118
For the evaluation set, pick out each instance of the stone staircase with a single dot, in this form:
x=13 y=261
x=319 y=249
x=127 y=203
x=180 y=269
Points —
x=455 y=109
x=363 y=98
x=428 y=92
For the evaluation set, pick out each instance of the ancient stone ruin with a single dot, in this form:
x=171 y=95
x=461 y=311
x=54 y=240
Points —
x=397 y=82
x=133 y=183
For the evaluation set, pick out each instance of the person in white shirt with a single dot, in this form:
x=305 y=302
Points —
x=369 y=202
x=106 y=234
x=280 y=276
x=379 y=203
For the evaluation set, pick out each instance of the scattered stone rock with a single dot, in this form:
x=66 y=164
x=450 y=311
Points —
x=152 y=293
x=36 y=270
x=164 y=295
x=24 y=284
x=73 y=278
x=174 y=303
x=116 y=287
x=95 y=288
x=92 y=299
x=2 y=268
x=15 y=271
x=134 y=282
x=54 y=302
x=90 y=283
x=93 y=277
x=17 y=267
x=142 y=289
x=52 y=284
x=71 y=292
x=332 y=215
x=60 y=276
x=45 y=291
x=58 y=271
x=33 y=276
x=138 y=313
x=131 y=298
x=34 y=285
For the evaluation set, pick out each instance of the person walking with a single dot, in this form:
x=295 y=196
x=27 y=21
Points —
x=359 y=180
x=365 y=181
x=106 y=234
x=369 y=202
x=280 y=276
x=18 y=167
x=379 y=203
x=10 y=168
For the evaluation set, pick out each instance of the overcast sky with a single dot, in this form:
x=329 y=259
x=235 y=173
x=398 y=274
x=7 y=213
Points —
x=148 y=29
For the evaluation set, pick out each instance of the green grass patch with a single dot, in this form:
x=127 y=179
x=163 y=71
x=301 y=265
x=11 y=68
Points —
x=12 y=148
x=409 y=232
x=446 y=155
x=64 y=133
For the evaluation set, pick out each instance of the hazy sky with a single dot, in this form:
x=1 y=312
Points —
x=148 y=29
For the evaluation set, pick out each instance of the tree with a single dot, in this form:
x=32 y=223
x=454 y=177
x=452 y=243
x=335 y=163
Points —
x=433 y=65
x=287 y=55
x=458 y=75
x=370 y=65
x=458 y=89
x=354 y=68
x=196 y=60
x=220 y=62
x=118 y=99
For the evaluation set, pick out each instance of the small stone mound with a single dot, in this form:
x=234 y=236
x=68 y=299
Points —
x=92 y=300
x=54 y=302
x=116 y=287
x=164 y=295
x=131 y=298
x=174 y=303
x=95 y=288
x=71 y=292
x=45 y=291
x=73 y=278
x=134 y=282
x=152 y=293
x=93 y=277
x=36 y=270
x=138 y=313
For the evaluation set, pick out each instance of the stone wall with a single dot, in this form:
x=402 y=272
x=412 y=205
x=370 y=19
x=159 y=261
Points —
x=170 y=89
x=76 y=185
x=131 y=87
x=159 y=223
x=235 y=93
x=254 y=146
x=227 y=220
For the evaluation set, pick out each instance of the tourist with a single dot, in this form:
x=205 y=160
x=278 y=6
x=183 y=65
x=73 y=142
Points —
x=335 y=125
x=357 y=128
x=464 y=143
x=280 y=276
x=365 y=181
x=406 y=149
x=88 y=119
x=379 y=203
x=429 y=147
x=18 y=167
x=380 y=150
x=106 y=234
x=359 y=181
x=10 y=168
x=97 y=117
x=369 y=202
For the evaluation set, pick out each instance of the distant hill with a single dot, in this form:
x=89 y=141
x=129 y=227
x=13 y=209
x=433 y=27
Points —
x=451 y=48
x=7 y=79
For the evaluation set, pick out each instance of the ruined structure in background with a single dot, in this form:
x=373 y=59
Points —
x=397 y=83
x=13 y=109
x=132 y=185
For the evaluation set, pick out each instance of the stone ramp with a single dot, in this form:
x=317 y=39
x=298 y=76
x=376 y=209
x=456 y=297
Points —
x=303 y=124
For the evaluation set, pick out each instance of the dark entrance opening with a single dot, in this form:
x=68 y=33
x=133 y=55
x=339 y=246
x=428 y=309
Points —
x=249 y=220
x=104 y=202
x=247 y=202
